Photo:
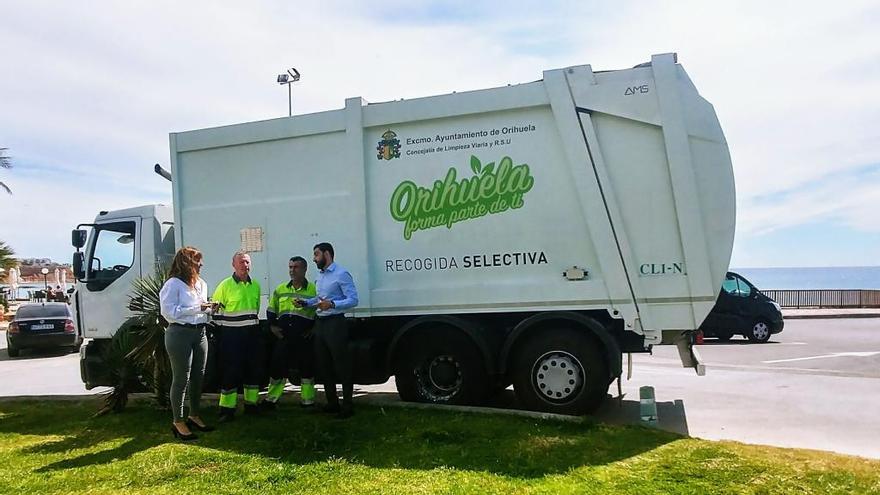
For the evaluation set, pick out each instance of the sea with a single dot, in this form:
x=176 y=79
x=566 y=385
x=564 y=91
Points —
x=842 y=277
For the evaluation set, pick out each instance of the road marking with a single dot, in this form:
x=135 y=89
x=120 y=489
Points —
x=824 y=356
x=672 y=369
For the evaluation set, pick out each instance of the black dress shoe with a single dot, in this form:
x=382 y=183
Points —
x=195 y=426
x=185 y=438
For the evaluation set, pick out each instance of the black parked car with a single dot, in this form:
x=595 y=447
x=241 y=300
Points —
x=741 y=309
x=42 y=325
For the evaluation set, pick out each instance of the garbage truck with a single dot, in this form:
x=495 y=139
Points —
x=527 y=235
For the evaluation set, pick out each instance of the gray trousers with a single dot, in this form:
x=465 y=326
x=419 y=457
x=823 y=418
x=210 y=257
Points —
x=333 y=357
x=187 y=349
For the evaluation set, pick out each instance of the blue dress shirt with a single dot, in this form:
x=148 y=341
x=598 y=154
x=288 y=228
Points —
x=335 y=284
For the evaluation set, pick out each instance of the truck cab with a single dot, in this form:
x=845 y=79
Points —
x=112 y=252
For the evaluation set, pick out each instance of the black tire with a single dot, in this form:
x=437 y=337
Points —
x=571 y=358
x=441 y=366
x=13 y=351
x=759 y=333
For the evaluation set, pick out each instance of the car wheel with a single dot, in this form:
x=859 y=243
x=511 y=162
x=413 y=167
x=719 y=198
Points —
x=760 y=332
x=13 y=351
x=560 y=370
x=441 y=366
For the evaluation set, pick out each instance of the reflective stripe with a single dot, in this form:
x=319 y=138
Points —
x=228 y=399
x=243 y=323
x=251 y=394
x=276 y=388
x=307 y=391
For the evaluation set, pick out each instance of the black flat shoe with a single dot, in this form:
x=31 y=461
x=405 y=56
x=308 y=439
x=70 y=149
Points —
x=185 y=438
x=195 y=426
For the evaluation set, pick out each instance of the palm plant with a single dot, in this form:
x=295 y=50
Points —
x=137 y=355
x=122 y=373
x=5 y=162
x=148 y=328
x=7 y=256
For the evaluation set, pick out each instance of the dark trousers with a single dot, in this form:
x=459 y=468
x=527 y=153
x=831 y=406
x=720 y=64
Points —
x=334 y=358
x=295 y=349
x=187 y=349
x=241 y=357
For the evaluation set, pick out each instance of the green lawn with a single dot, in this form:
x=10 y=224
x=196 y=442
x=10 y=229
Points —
x=56 y=446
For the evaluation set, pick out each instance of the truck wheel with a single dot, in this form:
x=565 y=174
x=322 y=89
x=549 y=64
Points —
x=13 y=351
x=441 y=366
x=561 y=371
x=760 y=332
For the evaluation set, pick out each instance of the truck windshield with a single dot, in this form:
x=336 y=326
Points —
x=113 y=253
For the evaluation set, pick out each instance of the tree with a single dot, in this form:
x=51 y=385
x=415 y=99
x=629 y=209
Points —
x=7 y=256
x=5 y=162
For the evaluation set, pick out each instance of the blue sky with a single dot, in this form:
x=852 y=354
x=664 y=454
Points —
x=94 y=91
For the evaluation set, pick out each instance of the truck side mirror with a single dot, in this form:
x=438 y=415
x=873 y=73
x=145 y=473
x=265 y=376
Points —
x=78 y=261
x=78 y=238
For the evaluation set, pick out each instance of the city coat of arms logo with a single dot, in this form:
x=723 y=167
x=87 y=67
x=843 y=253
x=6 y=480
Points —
x=389 y=146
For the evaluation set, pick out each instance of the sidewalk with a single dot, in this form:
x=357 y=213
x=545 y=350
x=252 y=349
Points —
x=797 y=314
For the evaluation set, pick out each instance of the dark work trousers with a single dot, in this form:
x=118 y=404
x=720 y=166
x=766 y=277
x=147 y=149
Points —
x=333 y=357
x=295 y=350
x=241 y=357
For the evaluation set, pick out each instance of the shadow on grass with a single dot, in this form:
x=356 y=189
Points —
x=381 y=437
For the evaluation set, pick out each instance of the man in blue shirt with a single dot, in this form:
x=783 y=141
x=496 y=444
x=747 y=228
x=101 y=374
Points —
x=336 y=294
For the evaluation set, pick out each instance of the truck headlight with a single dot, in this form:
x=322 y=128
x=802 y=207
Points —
x=776 y=305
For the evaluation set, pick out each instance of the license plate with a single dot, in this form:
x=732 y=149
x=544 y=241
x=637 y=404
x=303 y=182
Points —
x=47 y=326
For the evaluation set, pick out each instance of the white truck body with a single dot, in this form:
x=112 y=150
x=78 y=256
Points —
x=600 y=195
x=638 y=192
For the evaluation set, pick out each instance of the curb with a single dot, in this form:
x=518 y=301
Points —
x=367 y=399
x=383 y=401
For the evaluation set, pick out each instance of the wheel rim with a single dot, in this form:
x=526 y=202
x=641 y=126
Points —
x=558 y=377
x=439 y=379
x=761 y=331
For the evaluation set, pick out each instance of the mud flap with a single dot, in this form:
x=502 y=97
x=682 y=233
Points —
x=689 y=355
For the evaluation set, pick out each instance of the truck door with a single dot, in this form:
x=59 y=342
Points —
x=113 y=262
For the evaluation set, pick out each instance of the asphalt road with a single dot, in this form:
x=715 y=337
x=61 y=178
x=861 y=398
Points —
x=816 y=385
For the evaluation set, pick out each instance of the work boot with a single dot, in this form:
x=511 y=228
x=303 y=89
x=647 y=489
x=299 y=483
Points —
x=332 y=408
x=252 y=409
x=345 y=412
x=226 y=415
x=268 y=406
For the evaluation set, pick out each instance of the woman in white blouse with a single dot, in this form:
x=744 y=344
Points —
x=184 y=303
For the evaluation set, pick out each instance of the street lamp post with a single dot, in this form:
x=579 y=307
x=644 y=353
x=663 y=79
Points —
x=45 y=272
x=291 y=77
